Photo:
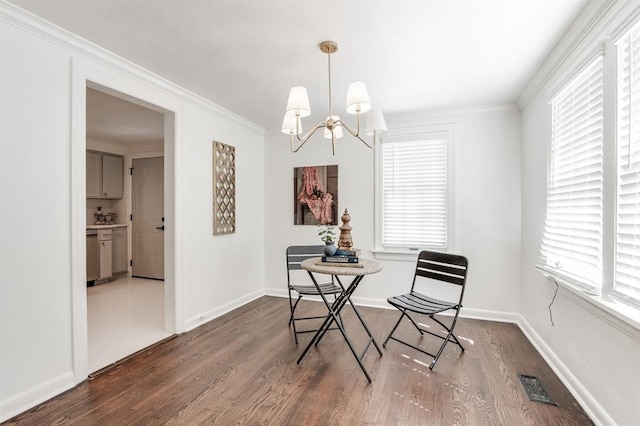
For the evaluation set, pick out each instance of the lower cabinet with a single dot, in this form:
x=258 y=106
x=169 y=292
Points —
x=93 y=257
x=107 y=253
x=120 y=257
x=105 y=247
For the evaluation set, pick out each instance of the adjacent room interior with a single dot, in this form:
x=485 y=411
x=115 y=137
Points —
x=165 y=173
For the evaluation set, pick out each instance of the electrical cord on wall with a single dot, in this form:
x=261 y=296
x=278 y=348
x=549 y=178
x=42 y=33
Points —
x=553 y=300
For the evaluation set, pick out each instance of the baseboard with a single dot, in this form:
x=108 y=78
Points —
x=207 y=316
x=30 y=398
x=480 y=314
x=579 y=392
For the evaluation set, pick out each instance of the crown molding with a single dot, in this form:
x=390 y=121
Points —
x=76 y=45
x=594 y=24
x=431 y=115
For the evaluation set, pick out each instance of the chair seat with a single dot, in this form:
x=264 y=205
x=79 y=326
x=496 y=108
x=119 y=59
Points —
x=327 y=288
x=421 y=304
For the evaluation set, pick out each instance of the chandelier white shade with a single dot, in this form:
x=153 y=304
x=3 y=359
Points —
x=289 y=125
x=334 y=130
x=298 y=103
x=375 y=123
x=357 y=98
x=358 y=102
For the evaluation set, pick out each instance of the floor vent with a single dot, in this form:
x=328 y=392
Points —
x=535 y=391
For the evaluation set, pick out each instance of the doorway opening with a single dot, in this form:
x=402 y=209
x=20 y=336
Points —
x=132 y=309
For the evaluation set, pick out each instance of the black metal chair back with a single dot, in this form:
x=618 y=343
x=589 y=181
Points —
x=295 y=256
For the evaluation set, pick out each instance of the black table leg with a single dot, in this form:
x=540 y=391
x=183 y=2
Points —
x=334 y=310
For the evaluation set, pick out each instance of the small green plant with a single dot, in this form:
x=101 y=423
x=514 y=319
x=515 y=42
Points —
x=326 y=233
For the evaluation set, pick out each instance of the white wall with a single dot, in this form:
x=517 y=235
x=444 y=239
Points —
x=486 y=206
x=42 y=213
x=597 y=356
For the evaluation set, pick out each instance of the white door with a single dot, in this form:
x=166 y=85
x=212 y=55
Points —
x=147 y=226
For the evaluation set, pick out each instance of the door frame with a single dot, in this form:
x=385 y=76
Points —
x=129 y=84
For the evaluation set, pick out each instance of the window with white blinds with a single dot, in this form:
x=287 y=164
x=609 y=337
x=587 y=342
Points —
x=572 y=242
x=627 y=263
x=414 y=186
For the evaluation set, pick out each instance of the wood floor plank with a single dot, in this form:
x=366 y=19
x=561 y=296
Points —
x=241 y=369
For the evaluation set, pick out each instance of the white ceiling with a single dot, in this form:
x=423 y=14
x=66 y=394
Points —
x=245 y=55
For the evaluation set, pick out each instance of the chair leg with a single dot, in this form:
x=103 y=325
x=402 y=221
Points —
x=384 y=345
x=450 y=336
x=414 y=323
x=293 y=308
x=292 y=320
x=450 y=330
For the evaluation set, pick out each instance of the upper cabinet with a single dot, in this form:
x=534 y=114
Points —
x=94 y=174
x=105 y=175
x=112 y=176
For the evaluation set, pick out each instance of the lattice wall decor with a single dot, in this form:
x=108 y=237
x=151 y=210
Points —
x=224 y=189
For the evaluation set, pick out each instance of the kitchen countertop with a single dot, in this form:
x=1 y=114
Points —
x=117 y=225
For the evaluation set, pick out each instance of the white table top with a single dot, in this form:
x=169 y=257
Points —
x=369 y=266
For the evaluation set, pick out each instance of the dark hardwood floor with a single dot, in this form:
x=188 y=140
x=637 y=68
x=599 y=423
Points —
x=241 y=369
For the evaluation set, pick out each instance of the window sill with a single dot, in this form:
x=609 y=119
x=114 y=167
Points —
x=621 y=315
x=398 y=255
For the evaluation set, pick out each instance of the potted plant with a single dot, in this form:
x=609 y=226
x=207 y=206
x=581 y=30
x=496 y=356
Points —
x=327 y=235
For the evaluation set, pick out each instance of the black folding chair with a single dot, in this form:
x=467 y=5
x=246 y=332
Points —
x=295 y=256
x=449 y=270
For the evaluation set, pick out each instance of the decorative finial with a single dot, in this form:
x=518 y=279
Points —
x=345 y=242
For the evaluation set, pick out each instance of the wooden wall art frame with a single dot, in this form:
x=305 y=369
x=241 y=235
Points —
x=224 y=189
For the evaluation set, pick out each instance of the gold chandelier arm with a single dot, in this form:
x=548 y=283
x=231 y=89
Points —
x=306 y=137
x=356 y=134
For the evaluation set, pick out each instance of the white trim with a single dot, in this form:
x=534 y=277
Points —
x=78 y=223
x=396 y=255
x=207 y=316
x=469 y=313
x=625 y=26
x=38 y=394
x=590 y=404
x=559 y=84
x=444 y=128
x=589 y=24
x=614 y=312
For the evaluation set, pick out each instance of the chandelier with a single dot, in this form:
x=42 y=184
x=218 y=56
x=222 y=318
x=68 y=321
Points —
x=357 y=103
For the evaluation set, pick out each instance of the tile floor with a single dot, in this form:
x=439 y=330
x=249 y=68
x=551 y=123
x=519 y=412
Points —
x=124 y=316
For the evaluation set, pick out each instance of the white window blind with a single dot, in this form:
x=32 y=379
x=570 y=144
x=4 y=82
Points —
x=627 y=266
x=572 y=240
x=414 y=191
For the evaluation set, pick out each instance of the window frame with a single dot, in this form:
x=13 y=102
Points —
x=437 y=131
x=593 y=287
x=623 y=169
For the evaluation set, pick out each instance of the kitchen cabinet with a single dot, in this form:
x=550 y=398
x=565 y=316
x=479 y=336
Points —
x=94 y=174
x=105 y=247
x=105 y=175
x=120 y=255
x=112 y=176
x=93 y=256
